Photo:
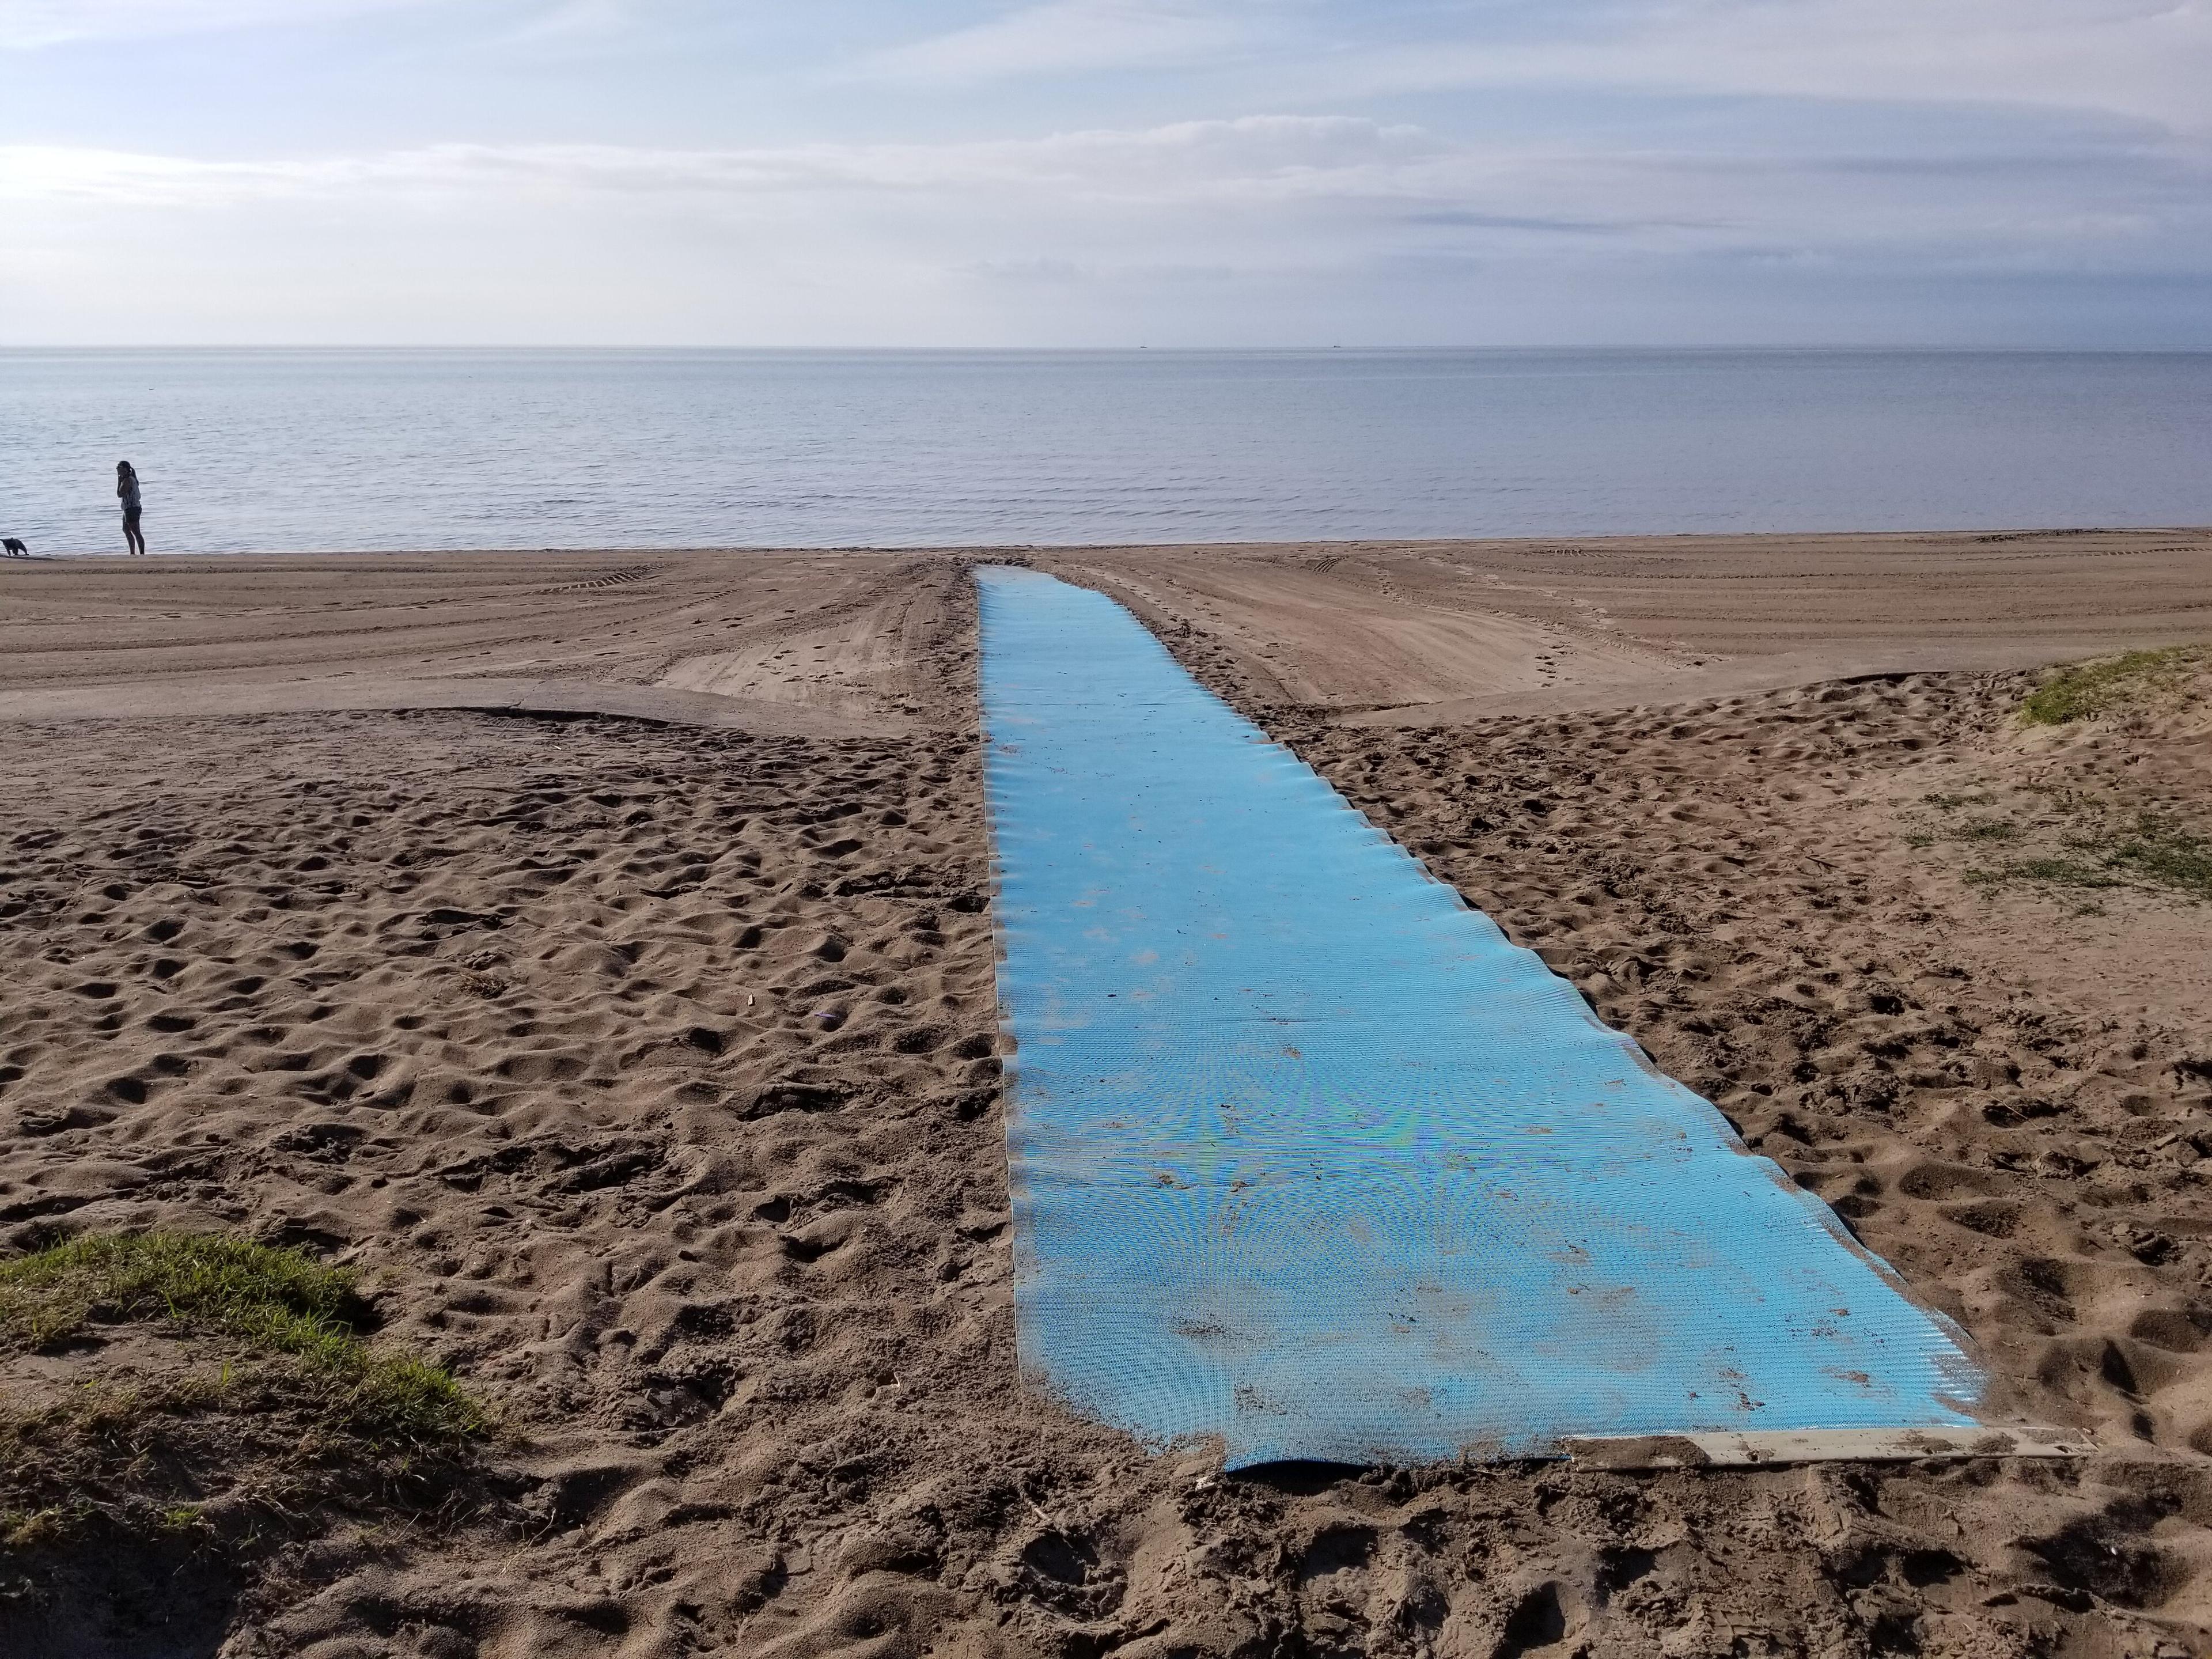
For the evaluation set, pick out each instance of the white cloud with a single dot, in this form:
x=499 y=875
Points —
x=26 y=25
x=1256 y=191
x=2149 y=60
x=1074 y=34
x=2145 y=58
x=1258 y=156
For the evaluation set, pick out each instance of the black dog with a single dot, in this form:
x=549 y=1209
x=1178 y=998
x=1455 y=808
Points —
x=14 y=549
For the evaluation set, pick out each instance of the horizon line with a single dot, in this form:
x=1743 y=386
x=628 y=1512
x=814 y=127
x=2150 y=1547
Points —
x=2173 y=350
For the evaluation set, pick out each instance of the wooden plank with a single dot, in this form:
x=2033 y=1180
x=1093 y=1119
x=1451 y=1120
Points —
x=1765 y=1446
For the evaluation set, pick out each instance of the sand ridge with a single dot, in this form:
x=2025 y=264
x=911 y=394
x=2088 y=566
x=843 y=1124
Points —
x=1416 y=633
x=644 y=635
x=1385 y=633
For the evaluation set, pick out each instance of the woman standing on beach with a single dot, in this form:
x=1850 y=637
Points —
x=126 y=490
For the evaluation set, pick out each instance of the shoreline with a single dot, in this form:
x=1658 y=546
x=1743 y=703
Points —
x=1973 y=532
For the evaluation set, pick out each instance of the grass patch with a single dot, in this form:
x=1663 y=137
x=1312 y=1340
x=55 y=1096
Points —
x=155 y=1481
x=277 y=1301
x=2169 y=857
x=1984 y=830
x=2155 y=853
x=23 y=1529
x=2083 y=689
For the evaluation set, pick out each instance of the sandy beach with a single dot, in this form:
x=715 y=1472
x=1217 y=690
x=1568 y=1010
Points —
x=594 y=949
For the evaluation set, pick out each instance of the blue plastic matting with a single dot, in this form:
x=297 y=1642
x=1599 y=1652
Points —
x=1306 y=1154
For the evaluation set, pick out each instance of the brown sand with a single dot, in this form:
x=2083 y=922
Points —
x=646 y=1065
x=1428 y=632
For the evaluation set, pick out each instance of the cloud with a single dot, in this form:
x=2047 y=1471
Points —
x=1679 y=159
x=2148 y=59
x=1063 y=35
x=1466 y=219
x=29 y=25
x=1262 y=191
x=2143 y=59
x=1256 y=156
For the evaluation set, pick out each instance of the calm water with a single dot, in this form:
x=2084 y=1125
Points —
x=271 y=450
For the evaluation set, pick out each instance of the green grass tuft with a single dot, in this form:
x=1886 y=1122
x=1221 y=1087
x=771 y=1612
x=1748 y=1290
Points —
x=22 y=1529
x=2082 y=690
x=2169 y=857
x=182 y=1518
x=2155 y=853
x=277 y=1301
x=274 y=1299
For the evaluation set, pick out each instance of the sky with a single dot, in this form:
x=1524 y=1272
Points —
x=1106 y=172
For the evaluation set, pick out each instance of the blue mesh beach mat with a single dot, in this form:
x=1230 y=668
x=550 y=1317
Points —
x=1306 y=1156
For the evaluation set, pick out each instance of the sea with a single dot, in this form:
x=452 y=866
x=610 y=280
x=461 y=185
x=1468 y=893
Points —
x=395 y=450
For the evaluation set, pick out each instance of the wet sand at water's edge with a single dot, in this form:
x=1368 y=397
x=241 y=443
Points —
x=595 y=949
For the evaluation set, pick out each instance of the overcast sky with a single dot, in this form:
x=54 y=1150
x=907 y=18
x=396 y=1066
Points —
x=1106 y=171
